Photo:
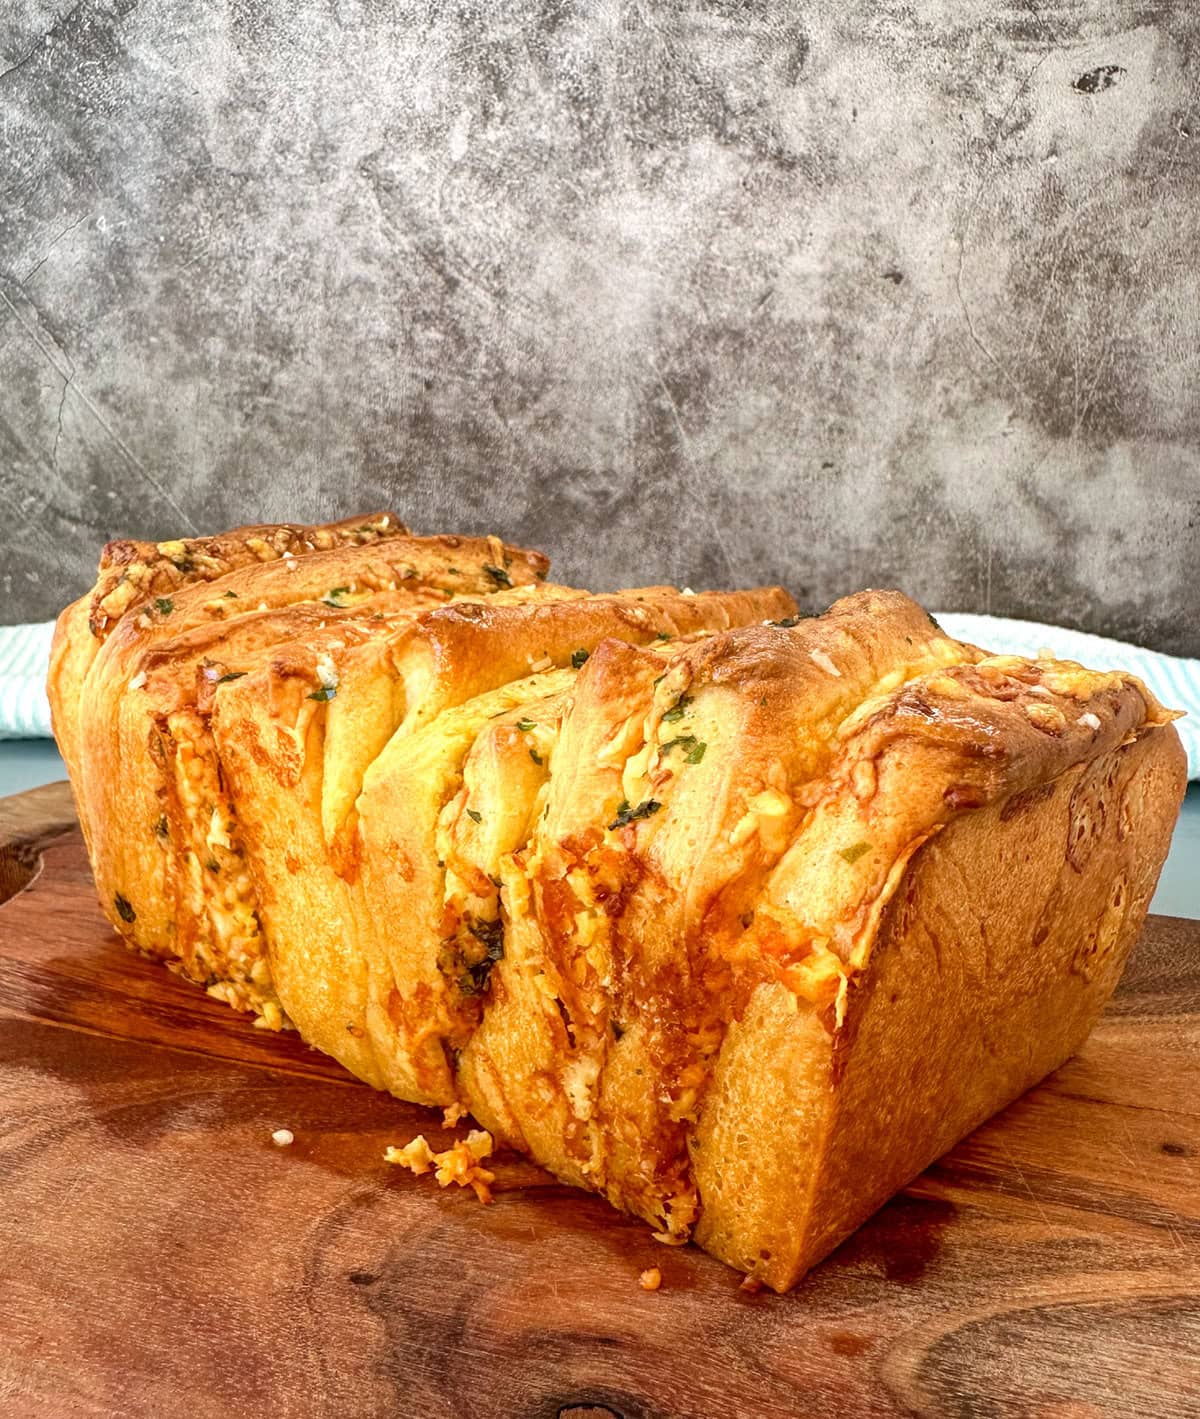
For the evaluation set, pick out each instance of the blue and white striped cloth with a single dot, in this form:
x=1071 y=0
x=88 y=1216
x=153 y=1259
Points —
x=24 y=657
x=25 y=653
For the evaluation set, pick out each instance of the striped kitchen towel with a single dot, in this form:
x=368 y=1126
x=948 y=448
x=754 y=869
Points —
x=24 y=656
x=25 y=653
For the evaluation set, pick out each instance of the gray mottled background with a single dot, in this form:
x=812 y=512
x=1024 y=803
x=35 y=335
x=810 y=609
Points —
x=835 y=294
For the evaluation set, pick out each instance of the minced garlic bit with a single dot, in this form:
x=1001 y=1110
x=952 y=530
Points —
x=327 y=671
x=461 y=1163
x=650 y=1279
x=820 y=659
x=538 y=666
x=282 y=1137
x=1090 y=720
x=138 y=680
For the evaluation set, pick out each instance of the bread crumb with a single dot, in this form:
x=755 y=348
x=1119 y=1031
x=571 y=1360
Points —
x=452 y=1114
x=461 y=1163
x=650 y=1279
x=282 y=1137
x=751 y=1285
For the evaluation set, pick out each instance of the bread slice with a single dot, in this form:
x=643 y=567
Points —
x=351 y=897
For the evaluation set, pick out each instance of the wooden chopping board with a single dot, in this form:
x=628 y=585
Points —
x=159 y=1255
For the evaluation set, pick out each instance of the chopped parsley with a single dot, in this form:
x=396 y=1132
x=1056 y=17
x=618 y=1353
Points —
x=160 y=828
x=326 y=692
x=525 y=725
x=627 y=815
x=497 y=574
x=124 y=910
x=536 y=757
x=854 y=852
x=230 y=675
x=333 y=597
x=578 y=657
x=164 y=605
x=677 y=710
x=228 y=594
x=662 y=636
x=693 y=748
x=474 y=816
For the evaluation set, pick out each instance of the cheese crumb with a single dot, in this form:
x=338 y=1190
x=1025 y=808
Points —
x=650 y=1279
x=461 y=1163
x=1091 y=721
x=282 y=1137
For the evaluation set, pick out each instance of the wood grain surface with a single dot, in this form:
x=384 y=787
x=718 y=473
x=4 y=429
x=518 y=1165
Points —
x=160 y=1255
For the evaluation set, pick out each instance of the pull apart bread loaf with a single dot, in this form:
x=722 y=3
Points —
x=736 y=917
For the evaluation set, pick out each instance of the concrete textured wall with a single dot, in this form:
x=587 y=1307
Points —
x=836 y=294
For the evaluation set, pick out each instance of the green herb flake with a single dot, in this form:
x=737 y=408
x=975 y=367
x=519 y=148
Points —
x=326 y=692
x=853 y=853
x=164 y=605
x=525 y=725
x=662 y=636
x=578 y=657
x=213 y=866
x=677 y=710
x=696 y=753
x=226 y=596
x=536 y=757
x=627 y=815
x=474 y=816
x=230 y=675
x=124 y=910
x=497 y=574
x=333 y=597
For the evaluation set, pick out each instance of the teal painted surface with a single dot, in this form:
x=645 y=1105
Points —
x=24 y=763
